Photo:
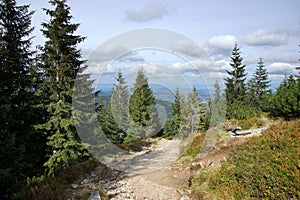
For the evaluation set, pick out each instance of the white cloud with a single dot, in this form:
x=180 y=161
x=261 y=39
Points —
x=196 y=67
x=264 y=37
x=222 y=44
x=189 y=48
x=286 y=56
x=222 y=65
x=149 y=12
x=111 y=53
x=278 y=68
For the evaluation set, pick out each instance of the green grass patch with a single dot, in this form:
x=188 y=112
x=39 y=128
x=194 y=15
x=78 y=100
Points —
x=191 y=152
x=251 y=123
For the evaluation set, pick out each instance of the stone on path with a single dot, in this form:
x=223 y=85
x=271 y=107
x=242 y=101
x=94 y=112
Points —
x=95 y=196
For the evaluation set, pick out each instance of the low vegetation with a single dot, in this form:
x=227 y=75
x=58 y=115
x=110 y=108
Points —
x=191 y=152
x=56 y=187
x=266 y=167
x=251 y=123
x=138 y=144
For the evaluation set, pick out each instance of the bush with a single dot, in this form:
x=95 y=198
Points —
x=241 y=111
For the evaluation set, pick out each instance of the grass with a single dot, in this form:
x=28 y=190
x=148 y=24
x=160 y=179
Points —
x=266 y=167
x=56 y=187
x=251 y=123
x=194 y=144
x=138 y=145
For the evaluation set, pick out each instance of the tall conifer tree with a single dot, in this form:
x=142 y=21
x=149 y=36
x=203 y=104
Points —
x=235 y=83
x=61 y=61
x=259 y=85
x=217 y=108
x=143 y=113
x=172 y=125
x=238 y=105
x=119 y=103
x=193 y=113
x=21 y=149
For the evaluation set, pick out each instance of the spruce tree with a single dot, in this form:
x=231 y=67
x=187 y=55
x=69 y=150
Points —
x=259 y=85
x=238 y=105
x=143 y=113
x=285 y=102
x=235 y=83
x=193 y=114
x=119 y=103
x=217 y=108
x=172 y=125
x=111 y=128
x=21 y=147
x=61 y=62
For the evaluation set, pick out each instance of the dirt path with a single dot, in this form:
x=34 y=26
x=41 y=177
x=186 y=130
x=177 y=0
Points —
x=149 y=175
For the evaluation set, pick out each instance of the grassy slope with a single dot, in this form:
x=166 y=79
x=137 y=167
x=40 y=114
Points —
x=266 y=167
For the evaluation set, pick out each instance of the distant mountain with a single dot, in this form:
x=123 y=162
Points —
x=160 y=92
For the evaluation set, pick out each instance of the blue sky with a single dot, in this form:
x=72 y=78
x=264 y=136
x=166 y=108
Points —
x=270 y=29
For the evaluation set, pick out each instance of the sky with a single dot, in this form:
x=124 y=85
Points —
x=182 y=43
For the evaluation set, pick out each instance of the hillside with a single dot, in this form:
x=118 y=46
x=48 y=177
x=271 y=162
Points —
x=265 y=167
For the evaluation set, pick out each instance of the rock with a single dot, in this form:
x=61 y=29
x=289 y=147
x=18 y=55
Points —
x=233 y=129
x=181 y=192
x=121 y=182
x=85 y=181
x=74 y=186
x=95 y=196
x=209 y=163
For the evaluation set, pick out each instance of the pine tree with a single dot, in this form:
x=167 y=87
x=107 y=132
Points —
x=286 y=101
x=21 y=149
x=259 y=85
x=61 y=62
x=172 y=126
x=217 y=108
x=111 y=128
x=119 y=103
x=218 y=93
x=193 y=114
x=238 y=105
x=235 y=83
x=143 y=113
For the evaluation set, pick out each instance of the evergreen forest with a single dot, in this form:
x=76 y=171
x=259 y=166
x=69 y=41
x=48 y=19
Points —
x=38 y=136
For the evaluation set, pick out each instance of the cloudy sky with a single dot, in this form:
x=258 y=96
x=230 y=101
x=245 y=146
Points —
x=183 y=42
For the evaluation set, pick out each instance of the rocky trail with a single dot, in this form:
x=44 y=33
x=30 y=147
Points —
x=150 y=174
x=154 y=173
